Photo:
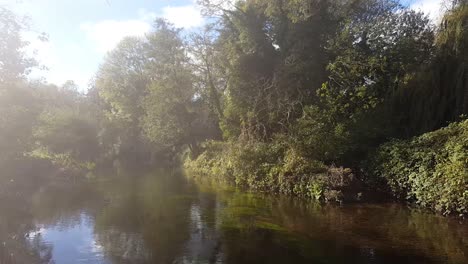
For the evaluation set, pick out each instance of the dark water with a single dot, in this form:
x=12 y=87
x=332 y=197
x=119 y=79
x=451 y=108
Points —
x=161 y=218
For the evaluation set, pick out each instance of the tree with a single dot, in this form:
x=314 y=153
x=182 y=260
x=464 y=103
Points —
x=210 y=79
x=66 y=137
x=381 y=46
x=121 y=83
x=18 y=105
x=273 y=63
x=66 y=130
x=438 y=94
x=14 y=64
x=168 y=105
x=375 y=56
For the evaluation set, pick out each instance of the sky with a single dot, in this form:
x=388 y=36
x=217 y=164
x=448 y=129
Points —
x=81 y=32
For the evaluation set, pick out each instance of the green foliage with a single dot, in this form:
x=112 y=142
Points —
x=438 y=94
x=167 y=119
x=14 y=64
x=274 y=64
x=147 y=90
x=431 y=170
x=19 y=109
x=19 y=106
x=294 y=86
x=121 y=81
x=377 y=52
x=319 y=137
x=373 y=57
x=63 y=160
x=452 y=36
x=270 y=167
x=120 y=86
x=284 y=114
x=66 y=138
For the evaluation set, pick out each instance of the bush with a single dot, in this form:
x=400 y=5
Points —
x=272 y=167
x=67 y=138
x=431 y=170
x=244 y=165
x=320 y=137
x=213 y=161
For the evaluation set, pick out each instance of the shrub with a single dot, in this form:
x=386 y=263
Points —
x=273 y=167
x=431 y=170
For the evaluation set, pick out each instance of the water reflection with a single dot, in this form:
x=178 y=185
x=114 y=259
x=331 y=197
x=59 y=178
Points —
x=160 y=218
x=72 y=242
x=145 y=221
x=17 y=221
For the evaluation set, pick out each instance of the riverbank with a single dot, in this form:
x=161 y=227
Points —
x=269 y=168
x=430 y=171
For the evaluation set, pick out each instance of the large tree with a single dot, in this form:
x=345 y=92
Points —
x=168 y=107
x=18 y=105
x=14 y=64
x=273 y=54
x=121 y=84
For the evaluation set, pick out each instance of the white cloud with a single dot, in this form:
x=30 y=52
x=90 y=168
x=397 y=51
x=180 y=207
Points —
x=58 y=68
x=434 y=8
x=107 y=34
x=42 y=51
x=76 y=56
x=188 y=16
x=146 y=15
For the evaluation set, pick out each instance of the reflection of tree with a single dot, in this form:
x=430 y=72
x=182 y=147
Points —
x=251 y=234
x=382 y=232
x=147 y=220
x=266 y=229
x=388 y=228
x=204 y=242
x=62 y=201
x=16 y=219
x=161 y=219
x=15 y=224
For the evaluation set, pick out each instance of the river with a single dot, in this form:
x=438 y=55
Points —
x=160 y=217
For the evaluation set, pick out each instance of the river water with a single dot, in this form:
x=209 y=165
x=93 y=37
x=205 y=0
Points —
x=160 y=217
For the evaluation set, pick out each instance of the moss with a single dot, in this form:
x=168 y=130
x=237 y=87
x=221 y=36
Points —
x=270 y=226
x=242 y=211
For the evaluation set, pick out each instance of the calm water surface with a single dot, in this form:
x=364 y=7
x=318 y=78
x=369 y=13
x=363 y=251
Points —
x=161 y=218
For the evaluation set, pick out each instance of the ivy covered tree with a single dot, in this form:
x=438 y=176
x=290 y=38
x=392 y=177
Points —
x=275 y=60
x=377 y=51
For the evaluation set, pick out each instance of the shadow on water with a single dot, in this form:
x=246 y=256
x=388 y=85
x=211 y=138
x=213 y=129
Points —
x=159 y=217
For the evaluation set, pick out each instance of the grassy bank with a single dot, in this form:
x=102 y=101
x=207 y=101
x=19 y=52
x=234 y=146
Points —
x=275 y=168
x=429 y=170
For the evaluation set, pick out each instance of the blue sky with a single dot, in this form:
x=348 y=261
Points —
x=81 y=32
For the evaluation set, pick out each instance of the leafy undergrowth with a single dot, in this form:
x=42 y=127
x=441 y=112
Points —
x=275 y=168
x=430 y=170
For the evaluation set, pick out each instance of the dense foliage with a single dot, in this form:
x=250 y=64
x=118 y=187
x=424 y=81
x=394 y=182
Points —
x=273 y=95
x=431 y=169
x=295 y=106
x=271 y=168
